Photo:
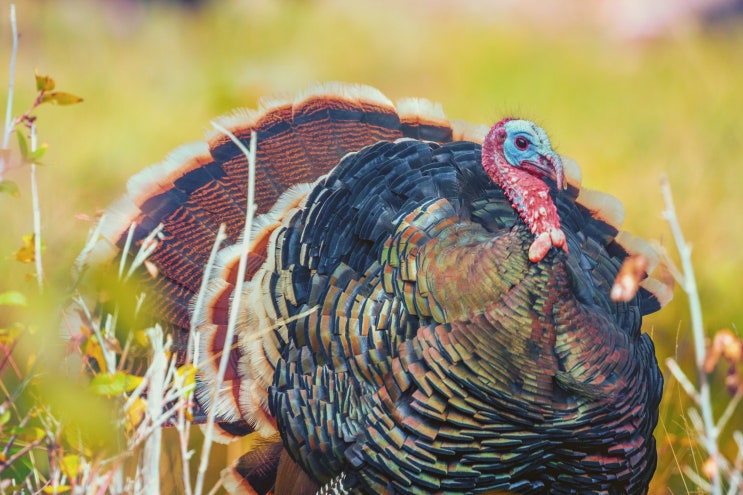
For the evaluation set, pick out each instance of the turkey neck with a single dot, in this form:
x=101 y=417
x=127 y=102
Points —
x=529 y=195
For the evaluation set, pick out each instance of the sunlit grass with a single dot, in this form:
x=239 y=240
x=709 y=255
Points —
x=153 y=78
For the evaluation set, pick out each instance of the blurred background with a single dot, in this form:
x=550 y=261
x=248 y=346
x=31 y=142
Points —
x=630 y=89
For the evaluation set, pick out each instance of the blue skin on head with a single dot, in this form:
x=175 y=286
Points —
x=527 y=146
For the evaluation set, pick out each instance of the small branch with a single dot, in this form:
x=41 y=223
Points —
x=155 y=403
x=690 y=287
x=683 y=380
x=201 y=296
x=698 y=480
x=729 y=410
x=9 y=123
x=148 y=246
x=235 y=303
x=37 y=215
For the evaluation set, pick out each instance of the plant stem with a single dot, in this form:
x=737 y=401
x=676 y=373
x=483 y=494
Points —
x=695 y=307
x=37 y=216
x=9 y=124
x=234 y=304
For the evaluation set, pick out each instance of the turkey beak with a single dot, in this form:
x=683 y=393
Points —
x=552 y=164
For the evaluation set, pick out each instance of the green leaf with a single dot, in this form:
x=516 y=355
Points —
x=22 y=143
x=60 y=98
x=5 y=417
x=12 y=298
x=44 y=83
x=36 y=155
x=28 y=433
x=9 y=187
x=109 y=385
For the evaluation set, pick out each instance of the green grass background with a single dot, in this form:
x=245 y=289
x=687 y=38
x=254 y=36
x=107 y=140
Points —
x=627 y=110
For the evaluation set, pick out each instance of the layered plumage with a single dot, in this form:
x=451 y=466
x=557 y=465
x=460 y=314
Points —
x=408 y=325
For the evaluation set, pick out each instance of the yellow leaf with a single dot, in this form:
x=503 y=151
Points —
x=56 y=489
x=60 y=98
x=27 y=252
x=94 y=351
x=135 y=413
x=141 y=339
x=188 y=372
x=43 y=83
x=71 y=465
x=30 y=362
x=131 y=382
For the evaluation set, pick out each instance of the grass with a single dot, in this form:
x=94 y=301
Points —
x=153 y=77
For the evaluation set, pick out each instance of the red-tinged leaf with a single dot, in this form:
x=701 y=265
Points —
x=84 y=217
x=44 y=83
x=29 y=433
x=60 y=98
x=9 y=187
x=9 y=334
x=12 y=298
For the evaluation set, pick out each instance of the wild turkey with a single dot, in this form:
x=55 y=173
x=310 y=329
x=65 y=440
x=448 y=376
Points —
x=420 y=314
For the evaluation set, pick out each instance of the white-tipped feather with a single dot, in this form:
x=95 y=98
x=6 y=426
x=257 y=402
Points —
x=240 y=118
x=254 y=404
x=256 y=325
x=637 y=245
x=234 y=483
x=573 y=173
x=662 y=291
x=159 y=177
x=348 y=91
x=421 y=109
x=603 y=206
x=227 y=409
x=466 y=131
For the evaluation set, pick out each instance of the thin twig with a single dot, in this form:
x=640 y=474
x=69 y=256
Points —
x=683 y=380
x=729 y=410
x=9 y=123
x=201 y=295
x=37 y=215
x=155 y=403
x=690 y=287
x=235 y=303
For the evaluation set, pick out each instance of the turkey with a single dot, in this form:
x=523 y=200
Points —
x=426 y=306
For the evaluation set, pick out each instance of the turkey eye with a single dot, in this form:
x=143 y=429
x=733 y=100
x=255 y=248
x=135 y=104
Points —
x=521 y=143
